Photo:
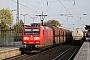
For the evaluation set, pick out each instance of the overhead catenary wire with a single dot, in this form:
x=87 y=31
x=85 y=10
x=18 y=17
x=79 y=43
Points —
x=48 y=8
x=29 y=8
x=26 y=7
x=42 y=4
x=32 y=9
x=56 y=13
x=69 y=12
x=76 y=12
x=66 y=9
x=64 y=6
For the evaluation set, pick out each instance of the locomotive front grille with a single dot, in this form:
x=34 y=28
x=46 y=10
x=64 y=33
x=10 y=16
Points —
x=31 y=46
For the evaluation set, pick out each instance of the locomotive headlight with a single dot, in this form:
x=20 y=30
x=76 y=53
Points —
x=24 y=45
x=36 y=38
x=37 y=46
x=26 y=38
x=37 y=42
x=25 y=42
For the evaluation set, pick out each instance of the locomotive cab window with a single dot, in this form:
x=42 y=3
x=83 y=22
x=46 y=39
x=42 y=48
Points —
x=35 y=31
x=32 y=31
x=27 y=31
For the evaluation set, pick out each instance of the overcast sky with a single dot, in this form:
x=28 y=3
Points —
x=54 y=9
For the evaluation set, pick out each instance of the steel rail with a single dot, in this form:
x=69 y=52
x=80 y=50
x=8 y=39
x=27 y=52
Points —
x=41 y=53
x=73 y=54
x=62 y=53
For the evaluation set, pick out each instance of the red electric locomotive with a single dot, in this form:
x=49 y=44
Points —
x=35 y=38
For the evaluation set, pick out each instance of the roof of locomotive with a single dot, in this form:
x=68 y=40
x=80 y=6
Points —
x=37 y=26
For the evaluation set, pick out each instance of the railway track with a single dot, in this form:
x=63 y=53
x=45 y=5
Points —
x=61 y=52
x=65 y=52
x=68 y=54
